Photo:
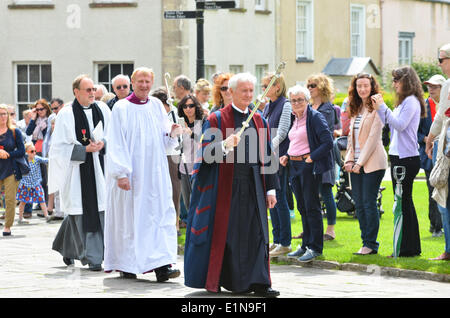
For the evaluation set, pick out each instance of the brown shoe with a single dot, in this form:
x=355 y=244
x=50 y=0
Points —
x=298 y=236
x=26 y=215
x=443 y=257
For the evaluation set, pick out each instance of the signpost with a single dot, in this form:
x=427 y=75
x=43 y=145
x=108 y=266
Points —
x=201 y=5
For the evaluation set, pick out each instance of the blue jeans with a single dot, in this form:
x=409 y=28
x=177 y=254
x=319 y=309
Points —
x=365 y=188
x=326 y=191
x=444 y=210
x=279 y=215
x=305 y=186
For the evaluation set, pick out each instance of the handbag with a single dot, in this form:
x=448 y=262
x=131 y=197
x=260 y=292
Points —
x=440 y=171
x=21 y=162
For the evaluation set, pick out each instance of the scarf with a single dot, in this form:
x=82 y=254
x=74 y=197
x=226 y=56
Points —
x=41 y=124
x=91 y=220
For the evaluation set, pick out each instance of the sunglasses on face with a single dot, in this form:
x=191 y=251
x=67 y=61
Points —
x=441 y=60
x=55 y=108
x=32 y=151
x=40 y=109
x=186 y=106
x=224 y=88
x=298 y=101
x=311 y=85
x=89 y=90
x=121 y=86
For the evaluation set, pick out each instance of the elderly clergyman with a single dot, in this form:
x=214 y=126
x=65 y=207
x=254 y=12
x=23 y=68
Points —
x=76 y=171
x=140 y=231
x=227 y=239
x=121 y=87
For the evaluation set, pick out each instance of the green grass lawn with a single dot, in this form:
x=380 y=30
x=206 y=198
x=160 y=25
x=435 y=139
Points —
x=348 y=238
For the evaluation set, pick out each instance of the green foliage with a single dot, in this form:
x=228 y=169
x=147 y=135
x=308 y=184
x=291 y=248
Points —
x=426 y=69
x=389 y=99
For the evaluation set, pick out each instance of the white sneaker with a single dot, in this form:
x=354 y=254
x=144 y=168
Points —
x=280 y=250
x=272 y=246
x=21 y=221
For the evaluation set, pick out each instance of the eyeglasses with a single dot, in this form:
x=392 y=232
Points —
x=298 y=101
x=311 y=86
x=224 y=88
x=40 y=109
x=32 y=151
x=55 y=108
x=121 y=86
x=89 y=90
x=186 y=106
x=441 y=59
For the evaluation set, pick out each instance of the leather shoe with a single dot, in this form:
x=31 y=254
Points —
x=68 y=261
x=128 y=275
x=266 y=292
x=95 y=267
x=443 y=257
x=165 y=273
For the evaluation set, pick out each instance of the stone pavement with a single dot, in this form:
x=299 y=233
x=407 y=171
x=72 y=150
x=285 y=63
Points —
x=29 y=269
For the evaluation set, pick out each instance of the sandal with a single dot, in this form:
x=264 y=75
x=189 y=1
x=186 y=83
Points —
x=328 y=237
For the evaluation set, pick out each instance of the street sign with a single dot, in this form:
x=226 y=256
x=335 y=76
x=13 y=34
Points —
x=214 y=5
x=180 y=15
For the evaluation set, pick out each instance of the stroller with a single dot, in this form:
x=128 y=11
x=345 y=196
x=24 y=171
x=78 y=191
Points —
x=343 y=197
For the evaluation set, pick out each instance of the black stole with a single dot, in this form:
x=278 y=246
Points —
x=91 y=219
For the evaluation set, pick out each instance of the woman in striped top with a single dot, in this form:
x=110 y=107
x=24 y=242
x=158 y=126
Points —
x=366 y=159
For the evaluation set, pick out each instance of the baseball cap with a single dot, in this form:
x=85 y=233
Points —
x=435 y=80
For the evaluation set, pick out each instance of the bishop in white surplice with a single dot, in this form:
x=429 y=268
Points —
x=140 y=231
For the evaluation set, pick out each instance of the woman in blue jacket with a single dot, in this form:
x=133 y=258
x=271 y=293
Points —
x=309 y=156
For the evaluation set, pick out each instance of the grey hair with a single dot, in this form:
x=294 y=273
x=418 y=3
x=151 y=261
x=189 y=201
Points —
x=446 y=49
x=184 y=81
x=120 y=76
x=298 y=89
x=241 y=78
x=102 y=87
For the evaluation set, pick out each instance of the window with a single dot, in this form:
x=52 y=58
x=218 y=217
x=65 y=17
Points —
x=405 y=47
x=112 y=3
x=304 y=31
x=357 y=31
x=33 y=81
x=260 y=5
x=210 y=70
x=235 y=69
x=31 y=4
x=107 y=71
x=260 y=72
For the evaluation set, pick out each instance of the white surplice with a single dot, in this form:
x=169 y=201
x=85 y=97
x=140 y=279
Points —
x=63 y=173
x=140 y=232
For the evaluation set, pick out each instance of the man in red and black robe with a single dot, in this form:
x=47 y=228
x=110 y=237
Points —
x=227 y=236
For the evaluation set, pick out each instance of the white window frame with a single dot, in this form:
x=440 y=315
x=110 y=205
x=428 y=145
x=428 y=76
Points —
x=260 y=72
x=307 y=51
x=361 y=41
x=260 y=5
x=210 y=70
x=108 y=85
x=236 y=68
x=405 y=53
x=22 y=105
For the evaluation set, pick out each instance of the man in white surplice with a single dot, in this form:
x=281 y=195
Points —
x=76 y=171
x=140 y=232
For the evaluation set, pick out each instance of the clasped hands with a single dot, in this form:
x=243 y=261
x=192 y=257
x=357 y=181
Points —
x=352 y=167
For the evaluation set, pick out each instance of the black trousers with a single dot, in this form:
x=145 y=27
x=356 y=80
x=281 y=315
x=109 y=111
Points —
x=410 y=245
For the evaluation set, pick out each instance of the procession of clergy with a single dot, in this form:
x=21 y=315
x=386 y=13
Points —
x=111 y=171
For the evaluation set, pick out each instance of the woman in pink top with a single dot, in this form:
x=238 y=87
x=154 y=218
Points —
x=366 y=159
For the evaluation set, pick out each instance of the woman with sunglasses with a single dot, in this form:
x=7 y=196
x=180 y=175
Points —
x=11 y=146
x=278 y=114
x=190 y=109
x=403 y=149
x=37 y=128
x=220 y=93
x=321 y=89
x=366 y=158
